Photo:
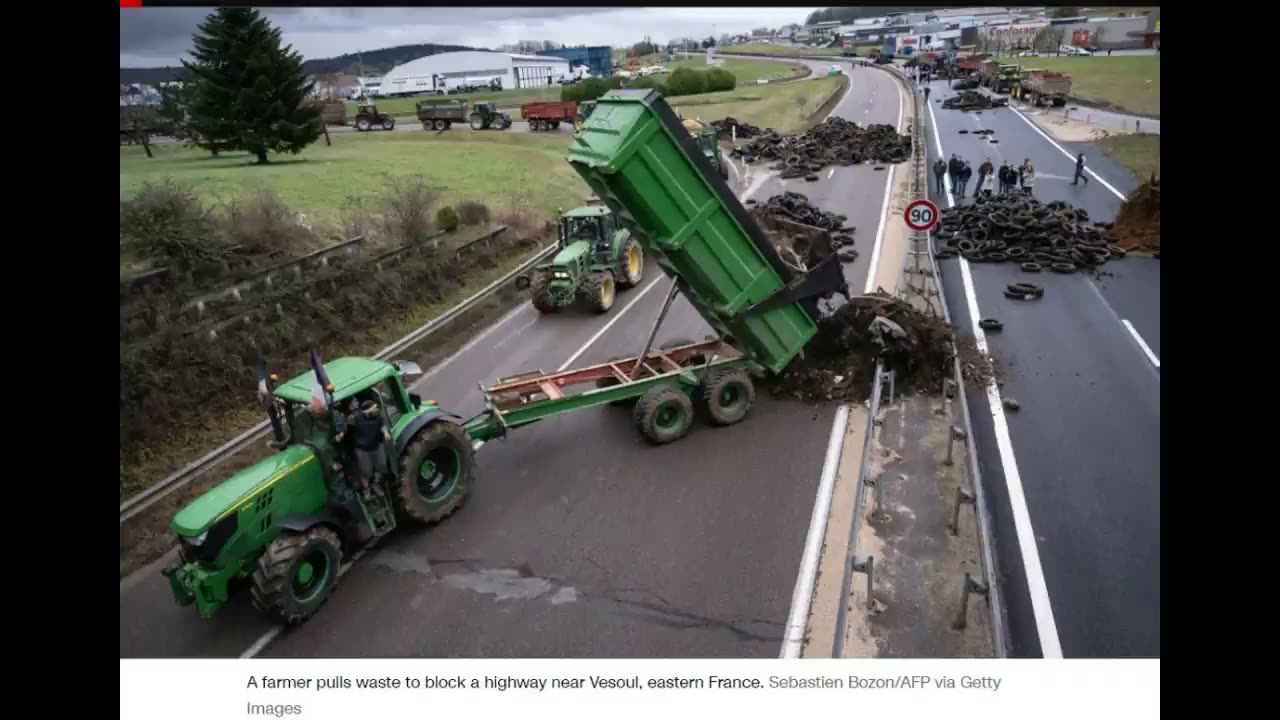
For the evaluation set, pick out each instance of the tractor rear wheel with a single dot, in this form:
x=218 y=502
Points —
x=631 y=264
x=663 y=414
x=389 y=124
x=437 y=471
x=600 y=291
x=726 y=395
x=362 y=124
x=296 y=573
x=540 y=295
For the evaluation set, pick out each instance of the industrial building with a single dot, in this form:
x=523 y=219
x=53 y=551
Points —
x=597 y=60
x=443 y=72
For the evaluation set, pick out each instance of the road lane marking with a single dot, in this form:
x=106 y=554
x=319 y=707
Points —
x=609 y=324
x=1142 y=343
x=472 y=343
x=806 y=578
x=1064 y=151
x=1037 y=587
x=870 y=285
x=831 y=172
x=262 y=642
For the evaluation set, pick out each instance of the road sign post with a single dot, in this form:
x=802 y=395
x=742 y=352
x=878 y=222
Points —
x=921 y=215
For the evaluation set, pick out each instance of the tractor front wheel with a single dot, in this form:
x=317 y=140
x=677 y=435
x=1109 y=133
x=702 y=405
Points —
x=663 y=414
x=600 y=291
x=540 y=294
x=437 y=471
x=389 y=124
x=296 y=573
x=362 y=124
x=477 y=122
x=727 y=395
x=632 y=264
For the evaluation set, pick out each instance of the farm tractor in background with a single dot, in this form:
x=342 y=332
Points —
x=285 y=524
x=368 y=118
x=485 y=116
x=594 y=259
x=708 y=139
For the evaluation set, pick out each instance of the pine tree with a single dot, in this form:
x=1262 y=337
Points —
x=250 y=91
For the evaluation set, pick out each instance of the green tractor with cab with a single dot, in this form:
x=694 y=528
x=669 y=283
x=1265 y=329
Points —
x=286 y=524
x=595 y=257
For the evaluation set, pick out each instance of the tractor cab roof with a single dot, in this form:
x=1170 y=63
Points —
x=587 y=211
x=348 y=375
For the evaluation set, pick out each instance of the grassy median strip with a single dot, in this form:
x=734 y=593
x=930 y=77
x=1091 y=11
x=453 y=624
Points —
x=1139 y=153
x=779 y=50
x=746 y=71
x=782 y=107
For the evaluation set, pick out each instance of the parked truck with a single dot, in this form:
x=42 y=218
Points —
x=286 y=524
x=548 y=115
x=1039 y=85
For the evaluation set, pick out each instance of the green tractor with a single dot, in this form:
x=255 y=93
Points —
x=709 y=142
x=285 y=524
x=595 y=257
x=485 y=116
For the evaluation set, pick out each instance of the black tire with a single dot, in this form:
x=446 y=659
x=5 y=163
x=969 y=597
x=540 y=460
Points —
x=362 y=124
x=726 y=395
x=1032 y=267
x=427 y=125
x=991 y=325
x=630 y=275
x=663 y=414
x=542 y=299
x=389 y=124
x=555 y=124
x=534 y=126
x=279 y=588
x=437 y=471
x=1027 y=288
x=1063 y=267
x=601 y=291
x=477 y=122
x=441 y=125
x=448 y=124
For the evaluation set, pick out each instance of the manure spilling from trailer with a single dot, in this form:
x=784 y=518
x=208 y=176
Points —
x=839 y=362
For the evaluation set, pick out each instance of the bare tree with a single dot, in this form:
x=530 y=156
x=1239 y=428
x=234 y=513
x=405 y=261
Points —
x=138 y=116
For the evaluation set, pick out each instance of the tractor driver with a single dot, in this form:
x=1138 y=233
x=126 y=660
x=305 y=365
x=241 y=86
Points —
x=368 y=431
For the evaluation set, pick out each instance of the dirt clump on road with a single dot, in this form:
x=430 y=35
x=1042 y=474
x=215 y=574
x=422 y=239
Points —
x=976 y=366
x=729 y=128
x=1137 y=225
x=839 y=363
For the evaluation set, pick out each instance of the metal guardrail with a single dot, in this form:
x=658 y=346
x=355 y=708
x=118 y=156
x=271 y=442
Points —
x=136 y=504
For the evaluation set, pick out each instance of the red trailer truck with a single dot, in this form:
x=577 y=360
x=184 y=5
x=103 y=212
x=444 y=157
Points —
x=548 y=115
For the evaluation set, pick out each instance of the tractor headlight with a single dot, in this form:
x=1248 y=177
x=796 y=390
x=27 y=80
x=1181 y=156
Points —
x=198 y=540
x=560 y=275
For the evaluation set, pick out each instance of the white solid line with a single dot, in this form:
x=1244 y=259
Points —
x=1037 y=588
x=1143 y=343
x=802 y=595
x=609 y=324
x=1064 y=151
x=870 y=285
x=262 y=642
x=831 y=172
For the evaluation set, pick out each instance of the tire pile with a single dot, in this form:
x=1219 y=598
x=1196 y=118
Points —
x=796 y=207
x=835 y=141
x=1038 y=236
x=726 y=127
x=973 y=100
x=839 y=363
x=966 y=84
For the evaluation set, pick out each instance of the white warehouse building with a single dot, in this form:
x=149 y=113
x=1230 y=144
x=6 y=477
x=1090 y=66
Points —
x=446 y=71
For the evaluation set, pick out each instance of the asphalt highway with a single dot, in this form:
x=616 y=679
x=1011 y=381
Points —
x=1075 y=473
x=579 y=539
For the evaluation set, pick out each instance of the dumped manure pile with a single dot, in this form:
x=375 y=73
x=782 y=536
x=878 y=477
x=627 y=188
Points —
x=839 y=363
x=835 y=141
x=1039 y=236
x=973 y=100
x=1137 y=225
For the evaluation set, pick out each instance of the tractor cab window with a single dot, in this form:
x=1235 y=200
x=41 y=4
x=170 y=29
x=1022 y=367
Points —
x=584 y=228
x=388 y=398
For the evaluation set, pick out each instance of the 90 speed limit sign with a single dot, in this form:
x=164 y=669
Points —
x=921 y=215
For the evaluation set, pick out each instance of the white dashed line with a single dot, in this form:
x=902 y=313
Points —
x=1141 y=343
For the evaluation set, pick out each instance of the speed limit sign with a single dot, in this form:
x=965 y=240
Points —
x=921 y=215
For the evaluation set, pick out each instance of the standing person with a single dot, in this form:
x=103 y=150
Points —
x=939 y=171
x=965 y=173
x=1080 y=171
x=1003 y=176
x=1027 y=174
x=926 y=93
x=953 y=169
x=985 y=171
x=368 y=431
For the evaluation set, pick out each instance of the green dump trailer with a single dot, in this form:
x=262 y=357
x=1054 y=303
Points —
x=284 y=524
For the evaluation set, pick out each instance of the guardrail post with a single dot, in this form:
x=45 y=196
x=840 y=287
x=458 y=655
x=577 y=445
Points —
x=970 y=586
x=866 y=564
x=957 y=433
x=963 y=497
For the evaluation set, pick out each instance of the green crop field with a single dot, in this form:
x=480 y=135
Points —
x=1130 y=83
x=783 y=107
x=776 y=49
x=487 y=167
x=1139 y=153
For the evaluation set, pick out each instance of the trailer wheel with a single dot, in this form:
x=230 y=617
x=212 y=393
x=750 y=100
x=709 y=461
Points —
x=631 y=262
x=426 y=125
x=555 y=124
x=600 y=291
x=448 y=124
x=540 y=295
x=296 y=574
x=727 y=395
x=437 y=471
x=663 y=414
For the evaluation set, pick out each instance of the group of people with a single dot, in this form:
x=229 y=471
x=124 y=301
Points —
x=990 y=180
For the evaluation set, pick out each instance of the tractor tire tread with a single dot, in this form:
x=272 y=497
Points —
x=646 y=410
x=409 y=504
x=270 y=581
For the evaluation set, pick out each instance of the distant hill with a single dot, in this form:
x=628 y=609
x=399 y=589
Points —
x=374 y=62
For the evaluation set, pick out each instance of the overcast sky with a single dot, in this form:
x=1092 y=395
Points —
x=152 y=37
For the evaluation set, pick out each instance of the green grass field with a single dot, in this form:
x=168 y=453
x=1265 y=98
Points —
x=782 y=107
x=1130 y=83
x=485 y=167
x=747 y=71
x=1139 y=153
x=778 y=50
